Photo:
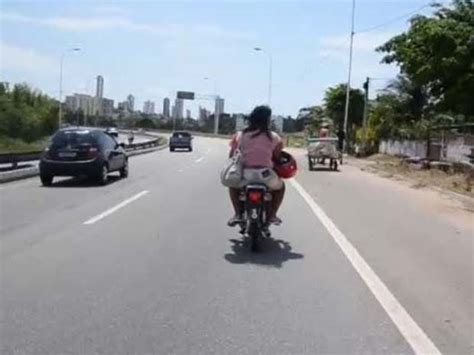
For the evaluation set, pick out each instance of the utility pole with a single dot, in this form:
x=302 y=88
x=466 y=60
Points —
x=366 y=113
x=348 y=89
x=366 y=102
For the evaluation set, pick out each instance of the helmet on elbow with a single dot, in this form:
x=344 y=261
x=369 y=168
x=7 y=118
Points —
x=285 y=166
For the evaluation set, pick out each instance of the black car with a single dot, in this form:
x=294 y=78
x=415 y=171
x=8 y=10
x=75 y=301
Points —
x=181 y=140
x=83 y=151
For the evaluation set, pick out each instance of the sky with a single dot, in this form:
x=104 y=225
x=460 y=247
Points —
x=152 y=49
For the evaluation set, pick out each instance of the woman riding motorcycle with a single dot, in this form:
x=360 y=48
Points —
x=259 y=147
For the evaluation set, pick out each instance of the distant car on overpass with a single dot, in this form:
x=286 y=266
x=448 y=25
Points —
x=112 y=131
x=181 y=140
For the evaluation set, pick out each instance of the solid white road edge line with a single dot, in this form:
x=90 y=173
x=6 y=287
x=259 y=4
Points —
x=199 y=160
x=116 y=208
x=410 y=330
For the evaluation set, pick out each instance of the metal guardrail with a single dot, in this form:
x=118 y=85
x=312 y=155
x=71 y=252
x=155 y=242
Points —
x=15 y=158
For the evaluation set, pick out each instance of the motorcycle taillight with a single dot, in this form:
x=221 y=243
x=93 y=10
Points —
x=255 y=197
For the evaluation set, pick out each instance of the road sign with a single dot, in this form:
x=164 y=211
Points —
x=185 y=95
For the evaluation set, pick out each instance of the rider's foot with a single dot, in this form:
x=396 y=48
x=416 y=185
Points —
x=275 y=221
x=234 y=221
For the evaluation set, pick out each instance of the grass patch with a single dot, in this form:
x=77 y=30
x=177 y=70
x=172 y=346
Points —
x=297 y=140
x=11 y=145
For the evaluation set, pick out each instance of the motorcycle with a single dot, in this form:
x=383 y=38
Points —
x=255 y=201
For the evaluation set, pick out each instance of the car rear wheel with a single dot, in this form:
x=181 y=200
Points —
x=103 y=176
x=171 y=149
x=124 y=170
x=46 y=179
x=190 y=149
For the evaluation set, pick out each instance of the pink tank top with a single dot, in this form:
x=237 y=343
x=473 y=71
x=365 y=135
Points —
x=257 y=152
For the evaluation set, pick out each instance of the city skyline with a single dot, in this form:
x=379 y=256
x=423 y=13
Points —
x=308 y=41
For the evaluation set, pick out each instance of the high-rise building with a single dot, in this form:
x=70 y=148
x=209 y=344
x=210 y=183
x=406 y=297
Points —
x=219 y=107
x=179 y=109
x=240 y=123
x=123 y=108
x=149 y=107
x=98 y=106
x=80 y=102
x=99 y=92
x=188 y=114
x=107 y=107
x=166 y=107
x=131 y=102
x=203 y=113
x=71 y=103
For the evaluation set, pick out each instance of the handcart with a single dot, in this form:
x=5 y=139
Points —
x=321 y=150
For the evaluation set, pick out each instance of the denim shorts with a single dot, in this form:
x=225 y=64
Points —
x=265 y=176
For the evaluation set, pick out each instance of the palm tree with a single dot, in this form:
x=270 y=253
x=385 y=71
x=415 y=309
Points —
x=413 y=98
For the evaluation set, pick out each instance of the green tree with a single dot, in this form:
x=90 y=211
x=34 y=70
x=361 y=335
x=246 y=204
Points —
x=334 y=106
x=26 y=113
x=437 y=53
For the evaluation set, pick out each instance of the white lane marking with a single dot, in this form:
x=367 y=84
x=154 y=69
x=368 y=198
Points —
x=410 y=330
x=116 y=208
x=199 y=160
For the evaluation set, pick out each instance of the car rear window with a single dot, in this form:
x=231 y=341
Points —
x=73 y=139
x=181 y=134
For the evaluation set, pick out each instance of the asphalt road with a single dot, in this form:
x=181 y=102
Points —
x=146 y=265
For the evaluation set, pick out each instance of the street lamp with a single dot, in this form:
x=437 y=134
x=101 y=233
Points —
x=259 y=49
x=60 y=114
x=348 y=88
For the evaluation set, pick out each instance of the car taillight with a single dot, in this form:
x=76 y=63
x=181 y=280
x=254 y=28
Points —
x=255 y=197
x=92 y=152
x=47 y=153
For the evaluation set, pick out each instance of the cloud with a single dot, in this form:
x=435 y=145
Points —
x=115 y=22
x=25 y=59
x=363 y=42
x=110 y=10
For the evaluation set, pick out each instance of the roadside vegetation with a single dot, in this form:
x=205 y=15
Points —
x=27 y=117
x=435 y=85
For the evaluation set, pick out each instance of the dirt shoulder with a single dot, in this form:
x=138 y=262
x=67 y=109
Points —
x=397 y=169
x=428 y=190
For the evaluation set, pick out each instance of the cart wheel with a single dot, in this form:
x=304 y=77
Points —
x=310 y=164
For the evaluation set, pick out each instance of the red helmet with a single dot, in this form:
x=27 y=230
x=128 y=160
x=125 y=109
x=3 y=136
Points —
x=286 y=166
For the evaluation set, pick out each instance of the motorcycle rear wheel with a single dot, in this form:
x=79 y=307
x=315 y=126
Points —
x=254 y=234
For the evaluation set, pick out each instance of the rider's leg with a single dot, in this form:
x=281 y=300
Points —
x=277 y=199
x=234 y=197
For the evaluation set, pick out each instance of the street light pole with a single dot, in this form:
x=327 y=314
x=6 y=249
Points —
x=270 y=73
x=348 y=89
x=60 y=113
